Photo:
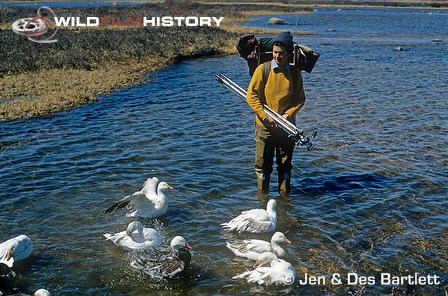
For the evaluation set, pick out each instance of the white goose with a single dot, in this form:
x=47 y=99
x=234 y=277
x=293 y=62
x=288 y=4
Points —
x=252 y=248
x=149 y=202
x=15 y=249
x=255 y=220
x=42 y=292
x=167 y=262
x=136 y=237
x=280 y=273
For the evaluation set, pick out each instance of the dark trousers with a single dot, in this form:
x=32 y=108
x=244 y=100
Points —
x=270 y=142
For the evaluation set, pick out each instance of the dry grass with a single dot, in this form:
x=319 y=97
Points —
x=39 y=79
x=47 y=91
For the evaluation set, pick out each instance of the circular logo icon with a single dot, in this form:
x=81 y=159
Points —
x=37 y=26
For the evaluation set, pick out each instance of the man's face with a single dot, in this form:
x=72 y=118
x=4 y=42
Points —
x=280 y=55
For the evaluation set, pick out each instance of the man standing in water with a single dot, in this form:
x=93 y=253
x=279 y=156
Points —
x=283 y=92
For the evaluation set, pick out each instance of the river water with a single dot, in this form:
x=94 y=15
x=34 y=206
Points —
x=370 y=199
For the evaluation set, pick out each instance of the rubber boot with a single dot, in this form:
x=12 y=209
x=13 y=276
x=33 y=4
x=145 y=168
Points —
x=263 y=185
x=284 y=185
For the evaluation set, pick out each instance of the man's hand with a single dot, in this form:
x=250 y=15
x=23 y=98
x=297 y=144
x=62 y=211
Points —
x=269 y=122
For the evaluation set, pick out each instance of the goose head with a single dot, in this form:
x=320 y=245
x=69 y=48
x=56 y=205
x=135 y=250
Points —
x=163 y=186
x=178 y=242
x=276 y=239
x=279 y=237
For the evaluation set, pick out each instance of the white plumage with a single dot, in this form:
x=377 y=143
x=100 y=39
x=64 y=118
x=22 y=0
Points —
x=42 y=292
x=279 y=273
x=136 y=237
x=252 y=248
x=15 y=249
x=255 y=220
x=149 y=202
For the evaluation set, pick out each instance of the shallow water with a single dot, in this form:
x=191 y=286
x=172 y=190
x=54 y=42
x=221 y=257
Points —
x=369 y=199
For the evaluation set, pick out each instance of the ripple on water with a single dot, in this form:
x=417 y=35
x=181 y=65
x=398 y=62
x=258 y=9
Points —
x=369 y=198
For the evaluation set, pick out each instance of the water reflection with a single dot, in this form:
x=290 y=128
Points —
x=370 y=197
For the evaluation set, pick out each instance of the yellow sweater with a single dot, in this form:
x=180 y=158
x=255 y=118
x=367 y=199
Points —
x=278 y=93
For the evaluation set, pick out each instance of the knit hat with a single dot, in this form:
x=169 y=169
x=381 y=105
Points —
x=284 y=38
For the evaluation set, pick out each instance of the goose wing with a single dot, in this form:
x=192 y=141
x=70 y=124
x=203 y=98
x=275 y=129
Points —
x=255 y=221
x=279 y=274
x=124 y=202
x=148 y=239
x=258 y=246
x=250 y=248
x=150 y=187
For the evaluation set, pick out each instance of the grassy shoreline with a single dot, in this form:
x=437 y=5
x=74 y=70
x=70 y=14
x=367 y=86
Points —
x=41 y=79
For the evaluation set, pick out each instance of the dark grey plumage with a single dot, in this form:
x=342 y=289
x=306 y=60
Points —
x=165 y=263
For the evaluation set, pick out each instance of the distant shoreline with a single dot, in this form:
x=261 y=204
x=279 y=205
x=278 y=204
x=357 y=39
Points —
x=394 y=3
x=67 y=75
x=441 y=4
x=84 y=64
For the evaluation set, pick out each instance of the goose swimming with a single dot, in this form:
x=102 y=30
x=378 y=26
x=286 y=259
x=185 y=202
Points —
x=255 y=220
x=169 y=262
x=279 y=273
x=149 y=202
x=15 y=249
x=136 y=237
x=252 y=248
x=42 y=292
